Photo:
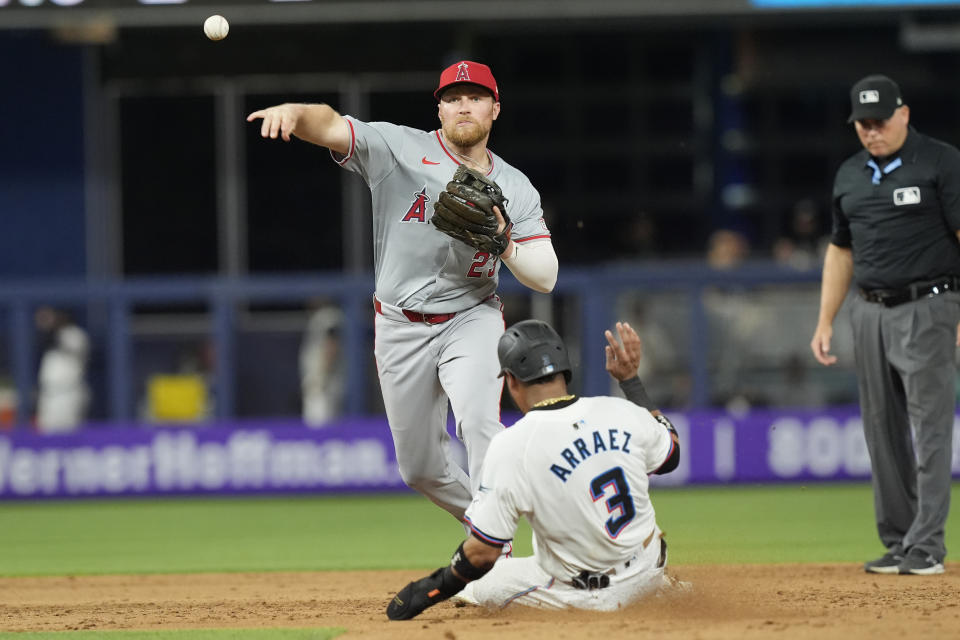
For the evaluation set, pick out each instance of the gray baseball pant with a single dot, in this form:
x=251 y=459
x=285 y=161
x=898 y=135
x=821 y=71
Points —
x=423 y=370
x=905 y=359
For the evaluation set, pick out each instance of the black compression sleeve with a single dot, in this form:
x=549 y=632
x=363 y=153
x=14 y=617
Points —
x=636 y=394
x=672 y=462
x=464 y=567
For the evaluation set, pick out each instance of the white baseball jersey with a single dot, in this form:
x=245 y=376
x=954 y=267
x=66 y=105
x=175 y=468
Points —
x=418 y=267
x=578 y=472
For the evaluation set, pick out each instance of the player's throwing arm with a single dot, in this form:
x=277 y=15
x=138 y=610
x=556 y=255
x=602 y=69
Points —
x=316 y=123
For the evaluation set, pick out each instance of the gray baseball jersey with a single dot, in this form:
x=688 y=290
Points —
x=426 y=366
x=416 y=266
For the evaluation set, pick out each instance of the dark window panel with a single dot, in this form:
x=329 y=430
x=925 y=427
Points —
x=672 y=117
x=168 y=185
x=608 y=171
x=417 y=109
x=671 y=174
x=806 y=112
x=294 y=198
x=802 y=168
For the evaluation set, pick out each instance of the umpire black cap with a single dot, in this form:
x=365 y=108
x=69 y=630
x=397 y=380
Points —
x=531 y=349
x=875 y=97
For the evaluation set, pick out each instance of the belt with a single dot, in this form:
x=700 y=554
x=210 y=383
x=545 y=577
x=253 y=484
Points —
x=413 y=316
x=591 y=580
x=915 y=291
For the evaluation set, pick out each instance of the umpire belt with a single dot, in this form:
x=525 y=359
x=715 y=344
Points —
x=915 y=291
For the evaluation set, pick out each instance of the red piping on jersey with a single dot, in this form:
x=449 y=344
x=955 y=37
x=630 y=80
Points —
x=503 y=380
x=525 y=592
x=454 y=158
x=547 y=236
x=375 y=363
x=353 y=144
x=490 y=540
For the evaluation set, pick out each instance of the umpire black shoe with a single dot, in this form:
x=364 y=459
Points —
x=887 y=563
x=920 y=563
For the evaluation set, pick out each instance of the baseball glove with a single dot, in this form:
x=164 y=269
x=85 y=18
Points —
x=465 y=211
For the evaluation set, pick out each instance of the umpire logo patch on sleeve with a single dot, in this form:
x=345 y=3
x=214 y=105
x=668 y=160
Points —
x=906 y=195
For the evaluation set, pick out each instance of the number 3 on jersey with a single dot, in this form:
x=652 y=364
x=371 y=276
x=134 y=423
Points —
x=621 y=500
x=479 y=260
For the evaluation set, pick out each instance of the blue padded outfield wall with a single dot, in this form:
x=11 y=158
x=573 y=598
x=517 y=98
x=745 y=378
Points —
x=41 y=163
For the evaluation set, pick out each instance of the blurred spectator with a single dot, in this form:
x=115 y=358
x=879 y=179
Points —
x=638 y=239
x=793 y=384
x=63 y=395
x=642 y=231
x=734 y=320
x=804 y=244
x=727 y=249
x=756 y=334
x=322 y=379
x=8 y=405
x=657 y=319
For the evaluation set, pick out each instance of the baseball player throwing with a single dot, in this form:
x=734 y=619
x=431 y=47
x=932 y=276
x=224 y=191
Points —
x=437 y=314
x=577 y=469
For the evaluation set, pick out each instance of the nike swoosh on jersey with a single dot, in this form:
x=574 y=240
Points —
x=425 y=161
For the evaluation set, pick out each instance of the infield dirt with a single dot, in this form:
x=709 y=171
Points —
x=727 y=602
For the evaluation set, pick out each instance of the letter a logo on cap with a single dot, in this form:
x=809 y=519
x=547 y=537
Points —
x=871 y=95
x=463 y=73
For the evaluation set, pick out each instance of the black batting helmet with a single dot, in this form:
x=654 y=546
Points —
x=531 y=349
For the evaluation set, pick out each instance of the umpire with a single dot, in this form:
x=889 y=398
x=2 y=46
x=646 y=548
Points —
x=896 y=224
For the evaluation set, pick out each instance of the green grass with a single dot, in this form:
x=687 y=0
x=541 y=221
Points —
x=770 y=524
x=186 y=634
x=222 y=534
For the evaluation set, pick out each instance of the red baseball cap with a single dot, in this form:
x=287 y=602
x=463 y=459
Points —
x=468 y=72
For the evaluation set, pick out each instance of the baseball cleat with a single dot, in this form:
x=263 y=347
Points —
x=920 y=563
x=417 y=596
x=888 y=563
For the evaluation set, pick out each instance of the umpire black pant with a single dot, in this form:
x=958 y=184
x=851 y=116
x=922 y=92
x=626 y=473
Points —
x=905 y=358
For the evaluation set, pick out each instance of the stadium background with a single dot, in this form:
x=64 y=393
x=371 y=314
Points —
x=684 y=152
x=133 y=195
x=677 y=147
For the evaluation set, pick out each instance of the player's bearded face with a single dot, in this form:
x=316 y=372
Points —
x=465 y=134
x=467 y=115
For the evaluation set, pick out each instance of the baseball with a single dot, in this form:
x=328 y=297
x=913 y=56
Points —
x=216 y=27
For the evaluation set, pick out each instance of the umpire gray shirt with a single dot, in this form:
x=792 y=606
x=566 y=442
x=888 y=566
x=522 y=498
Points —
x=900 y=215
